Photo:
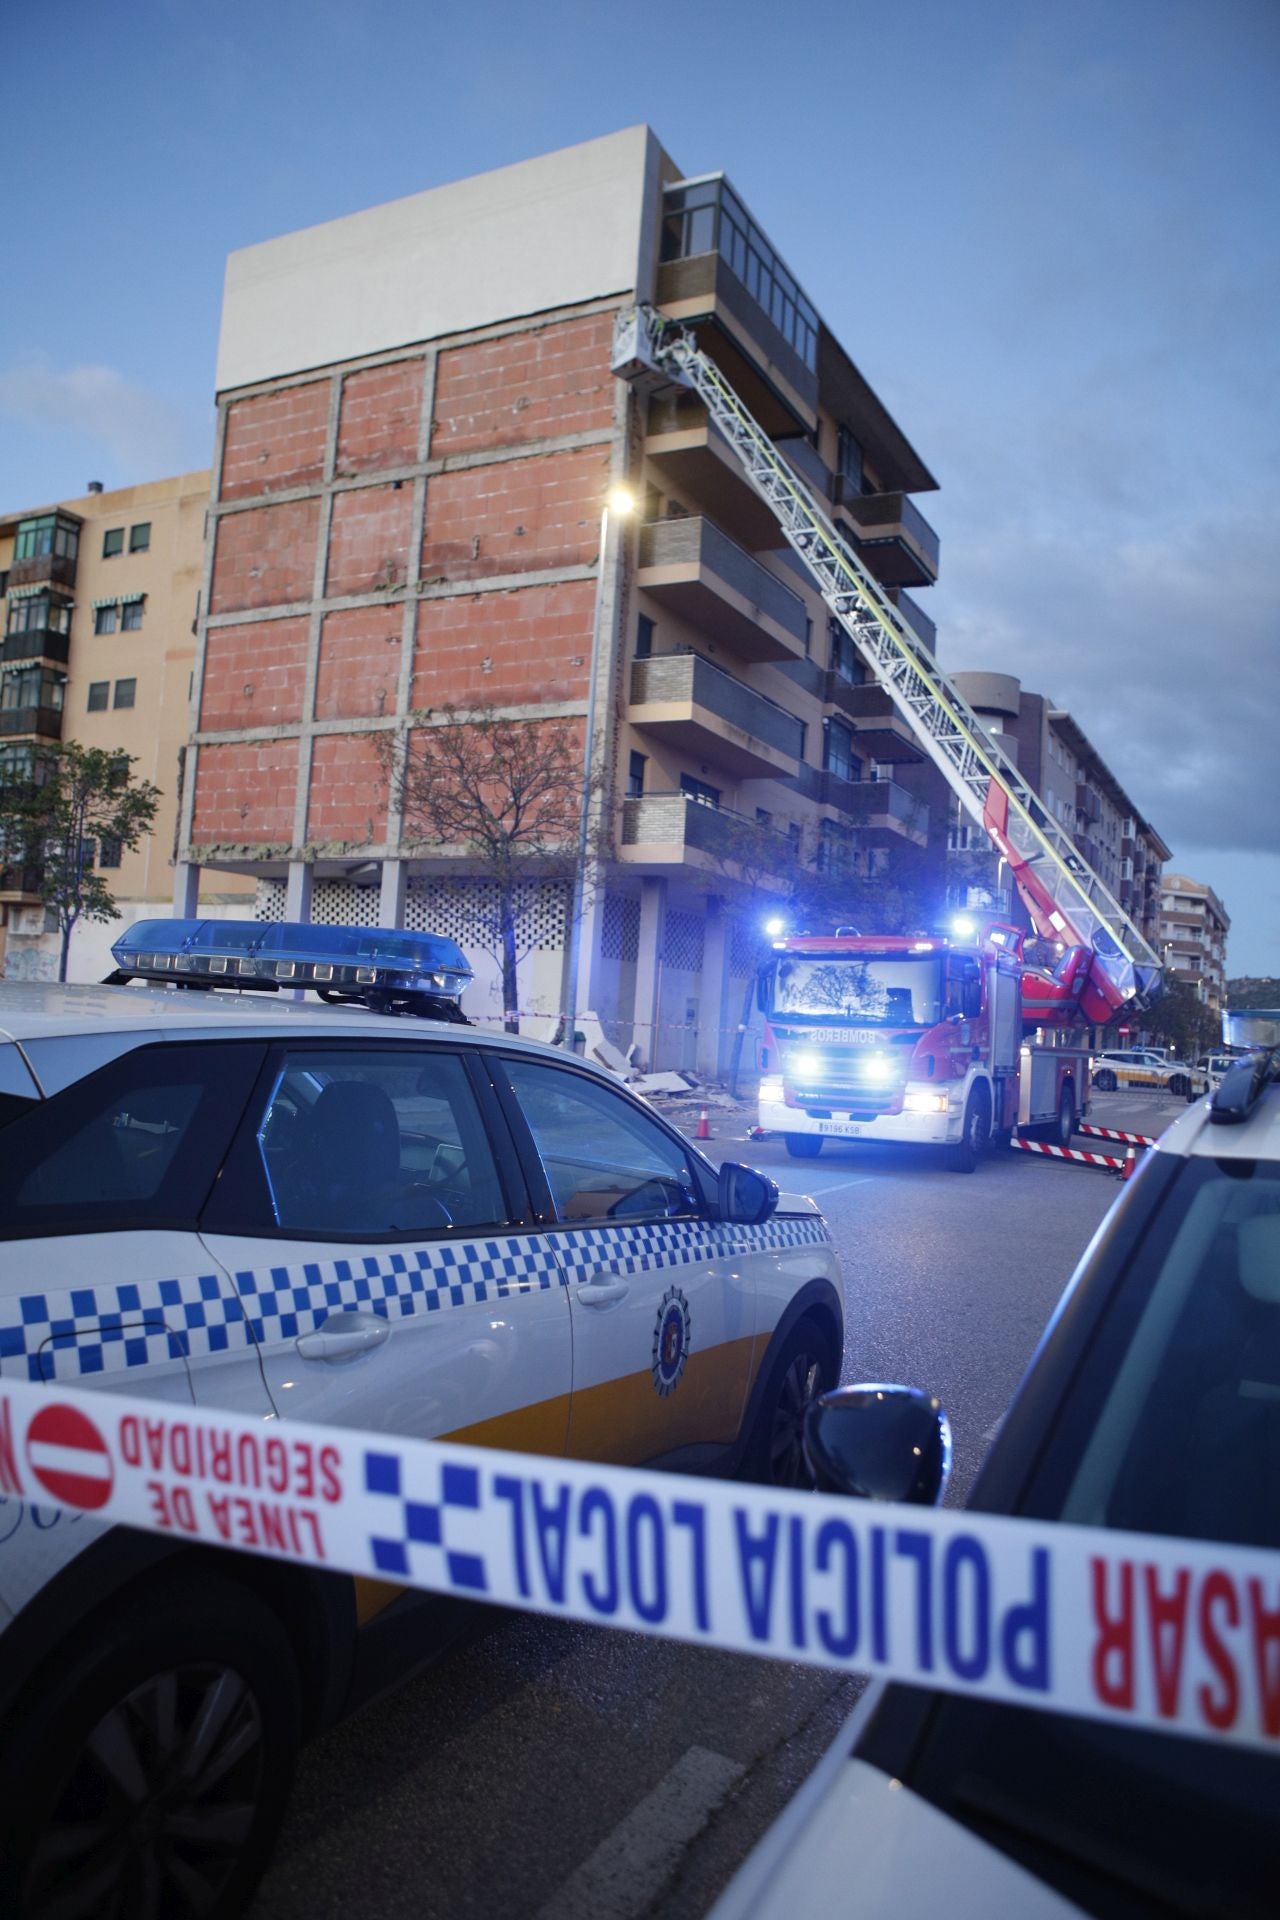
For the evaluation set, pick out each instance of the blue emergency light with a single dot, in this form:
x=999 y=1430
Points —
x=381 y=968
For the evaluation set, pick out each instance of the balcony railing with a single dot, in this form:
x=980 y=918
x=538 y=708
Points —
x=21 y=882
x=57 y=568
x=893 y=535
x=713 y=582
x=35 y=643
x=678 y=821
x=689 y=679
x=46 y=721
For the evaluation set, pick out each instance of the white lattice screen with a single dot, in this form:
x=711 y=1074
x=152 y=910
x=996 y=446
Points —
x=270 y=902
x=340 y=903
x=448 y=906
x=682 y=940
x=743 y=947
x=620 y=928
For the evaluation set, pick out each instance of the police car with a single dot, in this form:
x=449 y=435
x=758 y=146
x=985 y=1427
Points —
x=1144 y=1067
x=1153 y=1405
x=236 y=1202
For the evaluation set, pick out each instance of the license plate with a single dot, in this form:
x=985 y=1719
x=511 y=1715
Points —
x=842 y=1126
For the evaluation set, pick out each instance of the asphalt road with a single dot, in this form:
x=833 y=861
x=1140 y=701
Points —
x=559 y=1771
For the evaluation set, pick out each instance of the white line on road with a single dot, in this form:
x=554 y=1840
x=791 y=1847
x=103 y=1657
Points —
x=836 y=1186
x=631 y=1866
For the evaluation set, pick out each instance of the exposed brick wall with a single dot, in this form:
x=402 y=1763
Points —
x=348 y=790
x=515 y=516
x=502 y=393
x=359 y=662
x=275 y=440
x=265 y=556
x=369 y=539
x=245 y=792
x=254 y=675
x=378 y=426
x=571 y=731
x=536 y=640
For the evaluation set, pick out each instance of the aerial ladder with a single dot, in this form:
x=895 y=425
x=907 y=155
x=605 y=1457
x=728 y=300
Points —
x=1109 y=967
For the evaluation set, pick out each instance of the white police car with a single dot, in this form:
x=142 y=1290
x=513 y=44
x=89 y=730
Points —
x=296 y=1212
x=1152 y=1405
x=1144 y=1067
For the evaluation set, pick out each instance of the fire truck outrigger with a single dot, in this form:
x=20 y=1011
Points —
x=1106 y=968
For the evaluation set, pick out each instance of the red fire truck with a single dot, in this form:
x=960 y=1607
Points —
x=899 y=1038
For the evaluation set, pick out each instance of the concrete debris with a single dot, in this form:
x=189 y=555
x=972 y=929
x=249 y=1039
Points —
x=648 y=1083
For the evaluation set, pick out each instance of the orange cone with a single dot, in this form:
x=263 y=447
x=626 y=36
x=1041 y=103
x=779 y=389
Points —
x=704 y=1131
x=1130 y=1165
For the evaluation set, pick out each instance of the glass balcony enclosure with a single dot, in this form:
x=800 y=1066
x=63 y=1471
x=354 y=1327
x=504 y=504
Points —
x=706 y=216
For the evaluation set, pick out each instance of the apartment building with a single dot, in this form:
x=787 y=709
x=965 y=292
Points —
x=1194 y=926
x=417 y=430
x=1052 y=752
x=97 y=644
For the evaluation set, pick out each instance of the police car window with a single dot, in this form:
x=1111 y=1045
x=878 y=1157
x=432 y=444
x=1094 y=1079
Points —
x=354 y=1141
x=604 y=1159
x=137 y=1143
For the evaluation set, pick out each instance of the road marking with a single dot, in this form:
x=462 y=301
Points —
x=631 y=1866
x=837 y=1186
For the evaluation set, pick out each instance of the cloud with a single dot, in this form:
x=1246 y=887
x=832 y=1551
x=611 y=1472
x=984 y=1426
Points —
x=142 y=433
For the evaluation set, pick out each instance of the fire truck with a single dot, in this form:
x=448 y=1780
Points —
x=899 y=1038
x=956 y=1070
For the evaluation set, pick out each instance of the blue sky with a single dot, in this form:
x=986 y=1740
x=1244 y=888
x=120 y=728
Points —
x=1048 y=234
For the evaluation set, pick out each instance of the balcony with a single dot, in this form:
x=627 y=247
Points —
x=35 y=643
x=45 y=721
x=733 y=329
x=52 y=569
x=882 y=733
x=692 y=703
x=891 y=535
x=879 y=804
x=707 y=579
x=694 y=457
x=662 y=830
x=20 y=886
x=916 y=617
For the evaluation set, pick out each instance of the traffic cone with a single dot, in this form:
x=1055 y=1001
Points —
x=1130 y=1165
x=704 y=1131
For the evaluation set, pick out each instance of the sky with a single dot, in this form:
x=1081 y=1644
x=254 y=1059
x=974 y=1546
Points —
x=1047 y=231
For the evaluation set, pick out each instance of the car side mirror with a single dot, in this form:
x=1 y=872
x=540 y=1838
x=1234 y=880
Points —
x=879 y=1442
x=745 y=1196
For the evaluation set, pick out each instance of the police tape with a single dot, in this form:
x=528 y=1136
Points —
x=1127 y=1628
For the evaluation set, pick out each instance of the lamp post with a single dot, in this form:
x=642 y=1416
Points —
x=621 y=503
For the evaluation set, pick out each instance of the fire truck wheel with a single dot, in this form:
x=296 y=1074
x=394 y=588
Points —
x=1066 y=1123
x=803 y=1146
x=963 y=1157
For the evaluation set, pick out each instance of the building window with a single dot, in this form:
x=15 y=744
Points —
x=47 y=534
x=112 y=542
x=109 y=851
x=98 y=692
x=33 y=687
x=140 y=537
x=131 y=617
x=124 y=694
x=844 y=655
x=644 y=637
x=699 y=790
x=104 y=618
x=835 y=848
x=849 y=459
x=706 y=216
x=40 y=613
x=635 y=775
x=838 y=756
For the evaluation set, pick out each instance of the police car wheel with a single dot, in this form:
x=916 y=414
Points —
x=805 y=1368
x=1105 y=1080
x=1179 y=1085
x=150 y=1776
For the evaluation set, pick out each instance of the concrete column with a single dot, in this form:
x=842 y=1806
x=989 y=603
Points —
x=715 y=1011
x=593 y=991
x=186 y=890
x=653 y=915
x=391 y=894
x=297 y=899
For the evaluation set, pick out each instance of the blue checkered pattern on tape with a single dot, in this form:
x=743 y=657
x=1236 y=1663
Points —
x=72 y=1332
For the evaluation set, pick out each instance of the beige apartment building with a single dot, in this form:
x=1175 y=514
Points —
x=406 y=511
x=98 y=604
x=1194 y=926
x=1052 y=751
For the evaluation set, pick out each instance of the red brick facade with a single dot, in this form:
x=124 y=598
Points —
x=265 y=557
x=245 y=791
x=359 y=665
x=254 y=674
x=348 y=790
x=275 y=440
x=369 y=540
x=533 y=643
x=378 y=427
x=516 y=515
x=505 y=393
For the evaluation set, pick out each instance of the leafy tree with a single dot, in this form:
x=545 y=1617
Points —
x=505 y=796
x=55 y=816
x=1179 y=1019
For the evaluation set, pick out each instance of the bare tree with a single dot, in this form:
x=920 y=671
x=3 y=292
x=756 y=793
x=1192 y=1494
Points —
x=505 y=796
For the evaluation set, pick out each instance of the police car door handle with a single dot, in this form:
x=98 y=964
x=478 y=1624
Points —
x=604 y=1291
x=344 y=1336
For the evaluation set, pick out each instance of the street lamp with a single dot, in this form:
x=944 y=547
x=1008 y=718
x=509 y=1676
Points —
x=620 y=503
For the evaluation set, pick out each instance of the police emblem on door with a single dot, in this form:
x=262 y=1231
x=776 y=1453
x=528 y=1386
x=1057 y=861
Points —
x=671 y=1339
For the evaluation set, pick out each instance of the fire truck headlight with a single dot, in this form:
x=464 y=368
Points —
x=878 y=1070
x=771 y=1088
x=806 y=1066
x=918 y=1101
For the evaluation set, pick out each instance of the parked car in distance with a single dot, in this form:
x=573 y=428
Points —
x=1144 y=1067
x=1150 y=1407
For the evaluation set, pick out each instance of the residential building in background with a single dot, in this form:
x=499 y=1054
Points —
x=1053 y=753
x=417 y=428
x=1194 y=926
x=97 y=644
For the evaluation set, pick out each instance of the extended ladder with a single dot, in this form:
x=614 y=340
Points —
x=1065 y=898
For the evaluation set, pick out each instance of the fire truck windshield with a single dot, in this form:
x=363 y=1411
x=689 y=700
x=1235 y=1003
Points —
x=876 y=990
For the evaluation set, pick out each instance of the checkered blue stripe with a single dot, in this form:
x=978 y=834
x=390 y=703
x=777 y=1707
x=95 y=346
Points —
x=75 y=1332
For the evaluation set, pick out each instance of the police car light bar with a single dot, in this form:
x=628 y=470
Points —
x=378 y=967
